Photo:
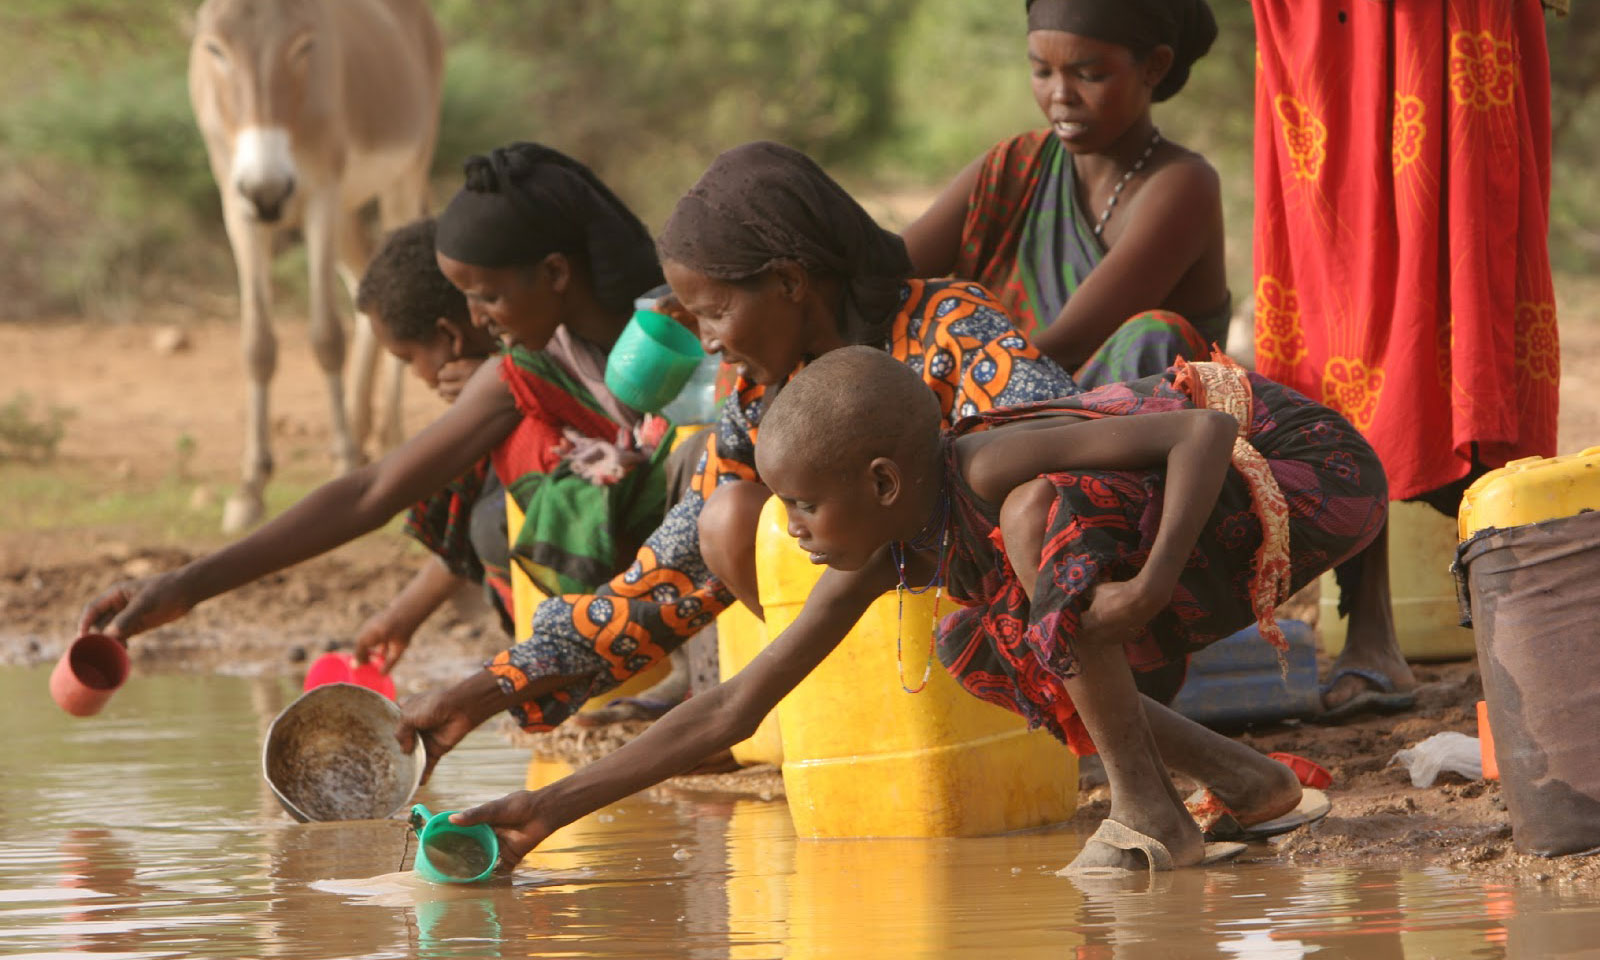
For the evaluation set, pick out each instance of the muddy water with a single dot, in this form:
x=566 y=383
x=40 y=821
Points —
x=147 y=832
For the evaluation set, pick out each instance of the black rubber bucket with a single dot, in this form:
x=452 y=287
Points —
x=1532 y=595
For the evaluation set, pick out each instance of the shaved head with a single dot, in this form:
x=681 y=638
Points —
x=850 y=406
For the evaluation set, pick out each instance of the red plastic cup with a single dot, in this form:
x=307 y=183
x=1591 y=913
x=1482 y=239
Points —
x=88 y=673
x=336 y=667
x=1308 y=772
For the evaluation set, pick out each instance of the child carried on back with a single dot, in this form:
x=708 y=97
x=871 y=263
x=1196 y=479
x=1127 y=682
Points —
x=1087 y=538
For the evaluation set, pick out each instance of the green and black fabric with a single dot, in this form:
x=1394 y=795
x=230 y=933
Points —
x=575 y=533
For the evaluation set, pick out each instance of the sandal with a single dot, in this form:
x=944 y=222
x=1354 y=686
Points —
x=1157 y=857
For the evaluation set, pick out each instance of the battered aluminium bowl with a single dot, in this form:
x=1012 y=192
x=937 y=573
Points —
x=332 y=755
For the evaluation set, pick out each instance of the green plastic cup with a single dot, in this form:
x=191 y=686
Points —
x=652 y=360
x=448 y=853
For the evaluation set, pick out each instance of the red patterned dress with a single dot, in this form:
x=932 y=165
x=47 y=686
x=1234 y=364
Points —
x=1019 y=655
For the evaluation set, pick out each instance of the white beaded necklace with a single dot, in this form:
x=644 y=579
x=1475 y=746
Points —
x=1116 y=192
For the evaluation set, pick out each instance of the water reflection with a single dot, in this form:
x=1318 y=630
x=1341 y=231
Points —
x=147 y=832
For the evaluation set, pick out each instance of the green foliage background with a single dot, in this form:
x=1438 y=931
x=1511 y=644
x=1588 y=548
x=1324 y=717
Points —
x=105 y=198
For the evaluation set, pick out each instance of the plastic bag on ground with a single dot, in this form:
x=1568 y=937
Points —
x=1455 y=752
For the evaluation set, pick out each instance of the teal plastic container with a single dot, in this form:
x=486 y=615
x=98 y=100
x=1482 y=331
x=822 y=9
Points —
x=652 y=360
x=448 y=853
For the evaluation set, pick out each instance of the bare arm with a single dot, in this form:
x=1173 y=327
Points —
x=1195 y=446
x=1175 y=220
x=705 y=724
x=388 y=632
x=934 y=239
x=335 y=513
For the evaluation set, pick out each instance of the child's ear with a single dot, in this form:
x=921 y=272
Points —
x=454 y=334
x=886 y=481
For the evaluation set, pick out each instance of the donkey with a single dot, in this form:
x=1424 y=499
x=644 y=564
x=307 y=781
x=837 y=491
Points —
x=311 y=109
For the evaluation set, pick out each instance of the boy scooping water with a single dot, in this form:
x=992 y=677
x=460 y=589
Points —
x=1086 y=538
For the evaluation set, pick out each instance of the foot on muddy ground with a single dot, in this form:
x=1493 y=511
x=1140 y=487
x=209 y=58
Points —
x=1381 y=685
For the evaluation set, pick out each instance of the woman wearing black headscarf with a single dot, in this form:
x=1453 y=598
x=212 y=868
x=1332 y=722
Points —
x=1102 y=237
x=777 y=265
x=551 y=261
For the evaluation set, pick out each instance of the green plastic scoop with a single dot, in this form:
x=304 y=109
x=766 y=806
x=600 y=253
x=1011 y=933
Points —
x=448 y=853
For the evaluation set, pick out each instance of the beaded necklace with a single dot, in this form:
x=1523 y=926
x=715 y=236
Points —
x=1116 y=193
x=924 y=539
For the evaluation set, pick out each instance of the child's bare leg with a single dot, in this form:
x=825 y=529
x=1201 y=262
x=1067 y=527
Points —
x=1110 y=706
x=1142 y=795
x=1254 y=787
x=728 y=538
x=1370 y=638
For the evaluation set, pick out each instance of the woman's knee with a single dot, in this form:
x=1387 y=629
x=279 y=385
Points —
x=728 y=525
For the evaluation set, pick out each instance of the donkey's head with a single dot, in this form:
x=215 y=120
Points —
x=258 y=65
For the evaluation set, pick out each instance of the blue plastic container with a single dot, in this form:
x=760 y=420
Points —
x=1237 y=681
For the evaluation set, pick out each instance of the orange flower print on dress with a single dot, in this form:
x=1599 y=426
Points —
x=1483 y=70
x=1278 y=322
x=1538 y=345
x=1351 y=388
x=1409 y=130
x=1305 y=135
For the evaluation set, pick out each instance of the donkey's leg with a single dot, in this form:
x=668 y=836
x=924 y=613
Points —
x=252 y=245
x=323 y=220
x=355 y=251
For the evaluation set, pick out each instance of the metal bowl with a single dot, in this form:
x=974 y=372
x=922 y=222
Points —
x=332 y=755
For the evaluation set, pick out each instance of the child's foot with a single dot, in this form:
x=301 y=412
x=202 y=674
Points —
x=1259 y=793
x=1159 y=843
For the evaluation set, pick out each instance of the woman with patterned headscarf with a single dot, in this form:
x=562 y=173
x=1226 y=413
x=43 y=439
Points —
x=551 y=261
x=1101 y=236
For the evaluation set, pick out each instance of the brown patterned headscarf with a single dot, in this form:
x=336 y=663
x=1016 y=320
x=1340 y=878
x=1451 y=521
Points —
x=764 y=203
x=1186 y=26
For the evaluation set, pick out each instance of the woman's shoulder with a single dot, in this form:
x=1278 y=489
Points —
x=1186 y=170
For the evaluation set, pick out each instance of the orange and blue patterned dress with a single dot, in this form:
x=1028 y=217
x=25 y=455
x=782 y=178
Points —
x=953 y=333
x=1306 y=492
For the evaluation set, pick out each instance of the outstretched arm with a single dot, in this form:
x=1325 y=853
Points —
x=335 y=513
x=688 y=734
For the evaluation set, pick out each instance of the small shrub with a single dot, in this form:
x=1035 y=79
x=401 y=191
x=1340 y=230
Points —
x=27 y=436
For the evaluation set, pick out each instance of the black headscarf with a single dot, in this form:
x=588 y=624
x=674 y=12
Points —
x=764 y=203
x=1186 y=26
x=525 y=201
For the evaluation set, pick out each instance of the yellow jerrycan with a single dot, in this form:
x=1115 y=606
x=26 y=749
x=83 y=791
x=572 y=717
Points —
x=1422 y=545
x=863 y=758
